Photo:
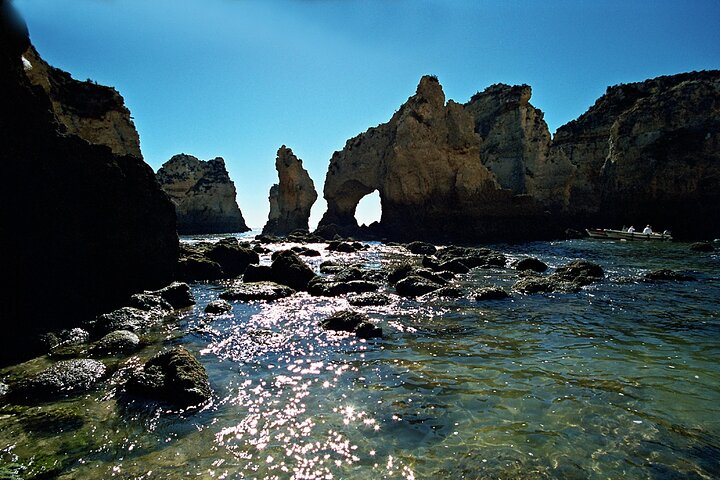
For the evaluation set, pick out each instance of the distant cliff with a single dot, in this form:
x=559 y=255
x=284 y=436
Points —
x=203 y=195
x=84 y=221
x=644 y=153
x=292 y=198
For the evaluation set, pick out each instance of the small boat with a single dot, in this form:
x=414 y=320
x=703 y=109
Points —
x=610 y=234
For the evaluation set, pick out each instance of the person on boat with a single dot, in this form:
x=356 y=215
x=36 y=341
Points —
x=631 y=229
x=647 y=230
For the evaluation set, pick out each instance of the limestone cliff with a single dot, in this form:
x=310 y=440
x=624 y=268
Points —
x=203 y=195
x=83 y=227
x=292 y=198
x=95 y=113
x=645 y=152
x=425 y=164
x=648 y=152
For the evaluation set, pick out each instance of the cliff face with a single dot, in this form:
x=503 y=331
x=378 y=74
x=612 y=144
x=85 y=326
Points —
x=83 y=227
x=203 y=195
x=95 y=113
x=292 y=198
x=645 y=152
x=648 y=152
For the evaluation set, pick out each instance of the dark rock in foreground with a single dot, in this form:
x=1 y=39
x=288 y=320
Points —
x=531 y=264
x=368 y=299
x=702 y=247
x=491 y=293
x=290 y=270
x=218 y=307
x=667 y=275
x=174 y=376
x=119 y=341
x=415 y=285
x=353 y=322
x=64 y=377
x=264 y=291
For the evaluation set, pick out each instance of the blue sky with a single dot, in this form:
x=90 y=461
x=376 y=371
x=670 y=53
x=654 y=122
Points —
x=237 y=79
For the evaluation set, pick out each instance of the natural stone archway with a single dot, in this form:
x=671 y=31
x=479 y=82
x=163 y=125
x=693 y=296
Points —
x=369 y=209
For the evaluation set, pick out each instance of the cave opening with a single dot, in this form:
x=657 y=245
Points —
x=369 y=209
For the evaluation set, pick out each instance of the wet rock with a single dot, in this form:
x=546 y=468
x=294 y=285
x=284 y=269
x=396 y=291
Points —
x=306 y=252
x=329 y=266
x=415 y=285
x=399 y=272
x=667 y=275
x=258 y=273
x=218 y=307
x=3 y=389
x=150 y=302
x=581 y=272
x=448 y=291
x=421 y=248
x=264 y=291
x=455 y=265
x=177 y=294
x=702 y=247
x=536 y=284
x=531 y=263
x=342 y=247
x=288 y=269
x=119 y=341
x=331 y=288
x=368 y=299
x=125 y=318
x=353 y=322
x=231 y=256
x=196 y=267
x=64 y=377
x=174 y=376
x=491 y=293
x=348 y=274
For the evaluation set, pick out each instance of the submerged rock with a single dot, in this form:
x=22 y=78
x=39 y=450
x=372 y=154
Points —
x=353 y=322
x=174 y=376
x=218 y=307
x=581 y=272
x=64 y=377
x=265 y=291
x=491 y=293
x=702 y=247
x=531 y=263
x=415 y=285
x=536 y=284
x=667 y=275
x=368 y=299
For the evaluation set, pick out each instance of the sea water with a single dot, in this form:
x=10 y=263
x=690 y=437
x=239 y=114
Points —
x=620 y=380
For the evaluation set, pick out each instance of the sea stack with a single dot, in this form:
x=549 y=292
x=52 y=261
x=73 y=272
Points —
x=85 y=224
x=203 y=195
x=292 y=198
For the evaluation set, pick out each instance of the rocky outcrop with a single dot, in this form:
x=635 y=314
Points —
x=292 y=198
x=646 y=152
x=425 y=165
x=86 y=224
x=93 y=112
x=203 y=195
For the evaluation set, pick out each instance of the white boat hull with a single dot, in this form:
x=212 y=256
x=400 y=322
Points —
x=609 y=234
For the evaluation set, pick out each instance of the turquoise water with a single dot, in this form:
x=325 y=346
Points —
x=621 y=380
